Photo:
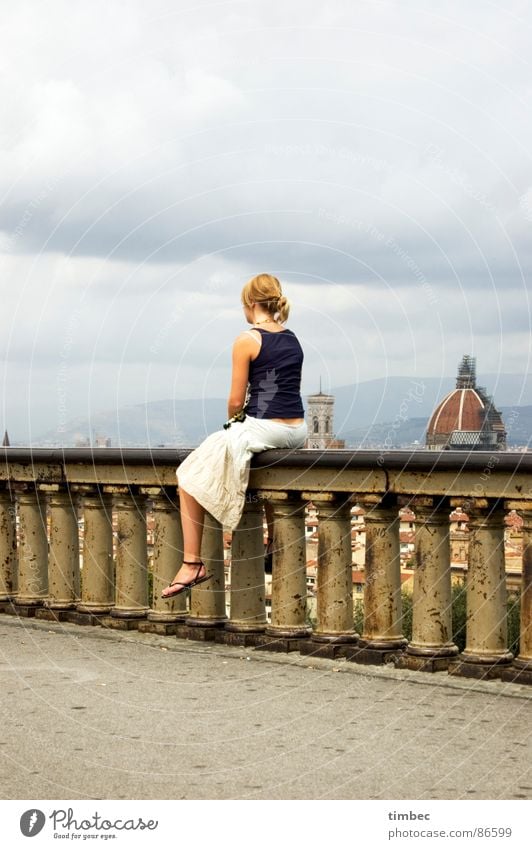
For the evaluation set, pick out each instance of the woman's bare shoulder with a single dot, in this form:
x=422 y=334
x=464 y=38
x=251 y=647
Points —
x=247 y=338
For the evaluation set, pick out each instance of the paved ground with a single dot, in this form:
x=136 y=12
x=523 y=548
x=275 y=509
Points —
x=88 y=713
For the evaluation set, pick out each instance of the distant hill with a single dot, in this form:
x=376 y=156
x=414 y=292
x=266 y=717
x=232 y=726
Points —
x=169 y=423
x=384 y=399
x=387 y=434
x=403 y=434
x=518 y=421
x=376 y=412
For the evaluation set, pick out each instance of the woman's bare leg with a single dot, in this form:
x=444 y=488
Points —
x=192 y=515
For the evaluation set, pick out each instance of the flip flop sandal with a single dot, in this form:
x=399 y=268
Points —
x=189 y=584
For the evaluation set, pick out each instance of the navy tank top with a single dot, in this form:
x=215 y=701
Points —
x=275 y=377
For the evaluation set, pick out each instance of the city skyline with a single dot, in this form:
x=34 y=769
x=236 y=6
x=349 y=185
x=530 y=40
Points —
x=390 y=414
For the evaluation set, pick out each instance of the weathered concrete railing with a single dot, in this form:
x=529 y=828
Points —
x=45 y=493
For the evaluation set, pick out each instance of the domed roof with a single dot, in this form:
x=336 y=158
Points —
x=461 y=409
x=466 y=418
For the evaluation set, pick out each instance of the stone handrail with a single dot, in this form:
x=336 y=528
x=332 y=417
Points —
x=44 y=492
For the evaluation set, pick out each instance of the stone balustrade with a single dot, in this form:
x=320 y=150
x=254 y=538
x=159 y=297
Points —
x=46 y=496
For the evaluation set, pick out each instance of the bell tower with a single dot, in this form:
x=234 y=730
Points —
x=320 y=422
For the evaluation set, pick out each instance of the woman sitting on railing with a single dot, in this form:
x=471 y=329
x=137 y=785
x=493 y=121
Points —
x=267 y=362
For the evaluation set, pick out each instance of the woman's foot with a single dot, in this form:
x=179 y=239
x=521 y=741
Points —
x=190 y=574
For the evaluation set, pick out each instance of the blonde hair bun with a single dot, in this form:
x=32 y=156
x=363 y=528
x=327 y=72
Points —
x=283 y=308
x=265 y=289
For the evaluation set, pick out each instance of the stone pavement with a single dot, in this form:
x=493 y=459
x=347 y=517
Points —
x=89 y=713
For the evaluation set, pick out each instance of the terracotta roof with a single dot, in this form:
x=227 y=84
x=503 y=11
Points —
x=458 y=515
x=407 y=536
x=461 y=409
x=514 y=520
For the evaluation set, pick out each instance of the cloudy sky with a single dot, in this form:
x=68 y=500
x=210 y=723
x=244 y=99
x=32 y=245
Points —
x=376 y=156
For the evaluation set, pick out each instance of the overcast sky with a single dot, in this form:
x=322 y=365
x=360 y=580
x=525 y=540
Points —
x=376 y=156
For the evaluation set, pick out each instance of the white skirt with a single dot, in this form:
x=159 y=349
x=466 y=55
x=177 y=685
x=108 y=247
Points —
x=216 y=473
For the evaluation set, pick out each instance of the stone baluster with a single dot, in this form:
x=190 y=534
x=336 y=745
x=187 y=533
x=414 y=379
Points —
x=431 y=647
x=97 y=585
x=8 y=549
x=486 y=650
x=334 y=577
x=248 y=611
x=382 y=639
x=289 y=579
x=521 y=670
x=167 y=559
x=63 y=554
x=207 y=602
x=131 y=576
x=33 y=551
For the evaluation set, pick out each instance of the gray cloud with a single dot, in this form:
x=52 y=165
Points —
x=376 y=157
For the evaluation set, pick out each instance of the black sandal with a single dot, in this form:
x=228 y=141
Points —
x=193 y=583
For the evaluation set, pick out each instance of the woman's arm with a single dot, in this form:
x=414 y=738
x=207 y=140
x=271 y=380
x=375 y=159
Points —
x=244 y=349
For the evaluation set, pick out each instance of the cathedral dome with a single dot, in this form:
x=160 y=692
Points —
x=461 y=409
x=466 y=419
